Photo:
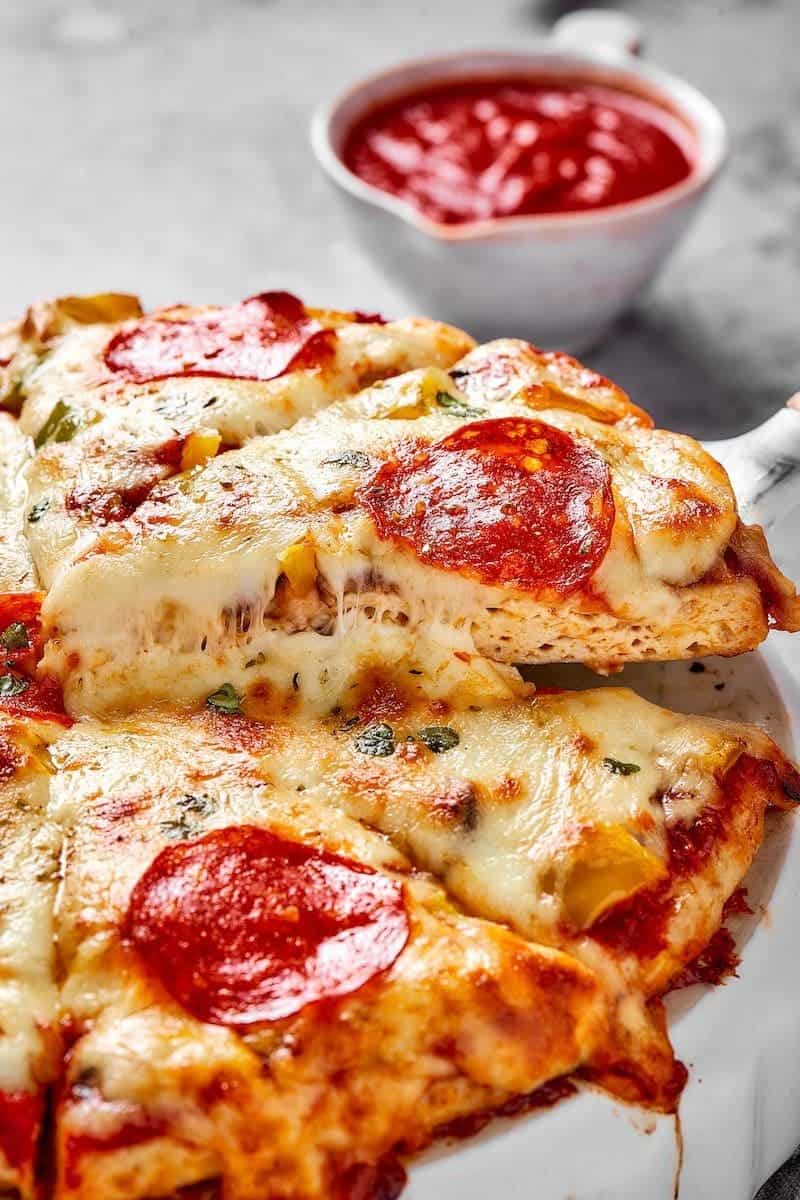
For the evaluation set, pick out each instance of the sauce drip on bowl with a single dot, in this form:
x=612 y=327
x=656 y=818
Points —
x=473 y=151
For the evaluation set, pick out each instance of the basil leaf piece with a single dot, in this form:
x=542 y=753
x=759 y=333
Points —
x=438 y=738
x=61 y=426
x=458 y=407
x=202 y=805
x=180 y=829
x=225 y=699
x=349 y=458
x=12 y=685
x=38 y=511
x=15 y=637
x=377 y=741
x=621 y=768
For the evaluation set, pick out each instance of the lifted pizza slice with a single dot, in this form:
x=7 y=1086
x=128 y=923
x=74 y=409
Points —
x=264 y=993
x=428 y=522
x=593 y=821
x=29 y=864
x=116 y=400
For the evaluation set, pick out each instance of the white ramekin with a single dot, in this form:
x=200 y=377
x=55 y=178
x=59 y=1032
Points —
x=558 y=279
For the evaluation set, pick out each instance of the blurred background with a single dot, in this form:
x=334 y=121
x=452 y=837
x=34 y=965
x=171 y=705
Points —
x=162 y=148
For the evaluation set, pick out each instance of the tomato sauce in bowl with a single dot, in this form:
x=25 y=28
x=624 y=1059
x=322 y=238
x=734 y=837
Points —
x=479 y=150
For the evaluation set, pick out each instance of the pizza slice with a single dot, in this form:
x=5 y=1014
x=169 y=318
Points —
x=593 y=821
x=29 y=864
x=116 y=400
x=431 y=522
x=263 y=992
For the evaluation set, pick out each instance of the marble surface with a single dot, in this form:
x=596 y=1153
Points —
x=163 y=148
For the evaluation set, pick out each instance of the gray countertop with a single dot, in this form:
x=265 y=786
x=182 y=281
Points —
x=162 y=148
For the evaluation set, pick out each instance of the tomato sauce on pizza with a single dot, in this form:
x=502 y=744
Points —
x=20 y=1114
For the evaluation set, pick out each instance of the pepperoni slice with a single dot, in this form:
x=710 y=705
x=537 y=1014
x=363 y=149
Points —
x=242 y=926
x=260 y=338
x=20 y=1114
x=508 y=501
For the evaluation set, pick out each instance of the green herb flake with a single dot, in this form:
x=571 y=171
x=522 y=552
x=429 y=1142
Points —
x=376 y=740
x=38 y=511
x=12 y=685
x=349 y=458
x=200 y=805
x=439 y=738
x=179 y=829
x=183 y=827
x=225 y=699
x=621 y=768
x=457 y=406
x=61 y=426
x=15 y=637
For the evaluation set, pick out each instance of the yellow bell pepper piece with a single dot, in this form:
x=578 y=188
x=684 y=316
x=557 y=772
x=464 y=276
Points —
x=104 y=307
x=608 y=866
x=407 y=412
x=199 y=447
x=299 y=565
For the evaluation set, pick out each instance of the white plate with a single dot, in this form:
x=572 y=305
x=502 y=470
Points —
x=740 y=1113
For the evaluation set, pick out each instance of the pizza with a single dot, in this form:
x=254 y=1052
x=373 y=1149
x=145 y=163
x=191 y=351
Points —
x=431 y=515
x=298 y=873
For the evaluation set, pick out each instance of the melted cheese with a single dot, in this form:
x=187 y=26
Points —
x=205 y=557
x=17 y=572
x=462 y=1020
x=122 y=426
x=504 y=817
x=29 y=861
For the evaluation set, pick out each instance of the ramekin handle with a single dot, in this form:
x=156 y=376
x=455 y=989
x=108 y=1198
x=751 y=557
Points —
x=600 y=29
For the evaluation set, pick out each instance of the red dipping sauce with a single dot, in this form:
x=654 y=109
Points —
x=513 y=147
